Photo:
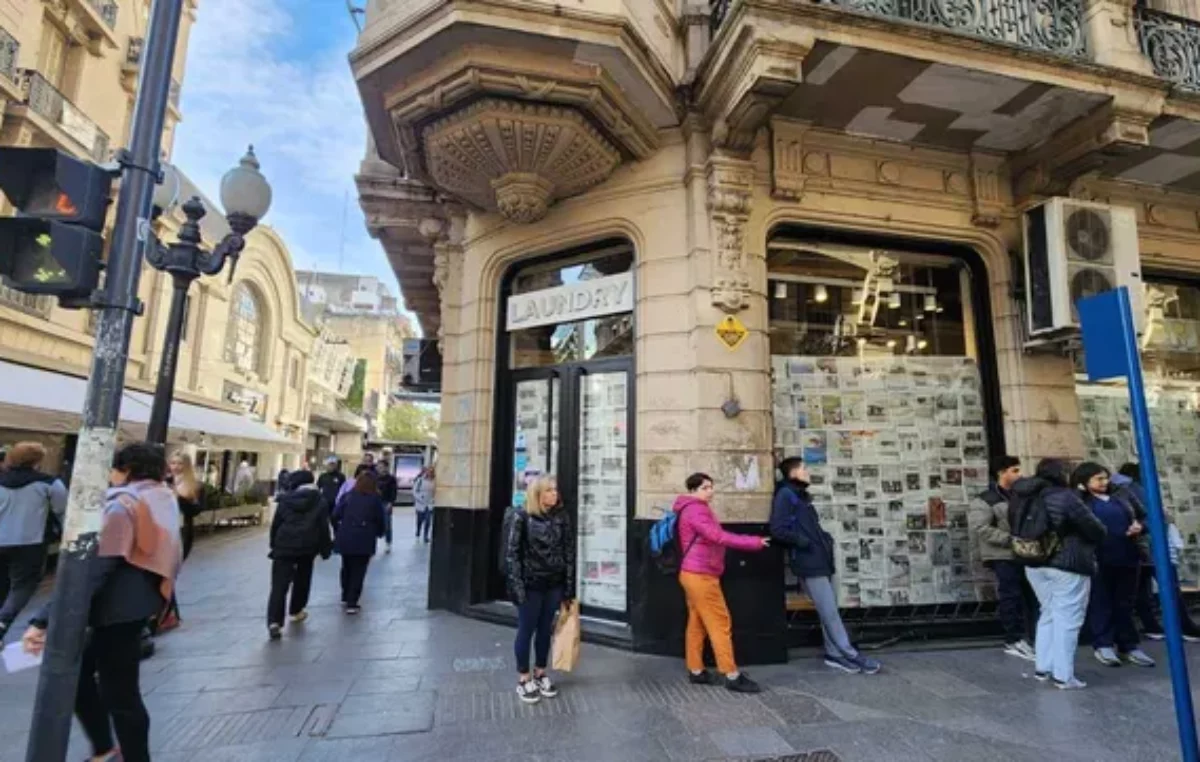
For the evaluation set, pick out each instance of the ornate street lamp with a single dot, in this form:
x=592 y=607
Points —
x=246 y=196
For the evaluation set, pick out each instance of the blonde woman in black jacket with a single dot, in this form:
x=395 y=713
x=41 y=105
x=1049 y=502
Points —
x=540 y=563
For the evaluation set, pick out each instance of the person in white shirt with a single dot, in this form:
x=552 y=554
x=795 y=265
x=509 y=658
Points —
x=423 y=501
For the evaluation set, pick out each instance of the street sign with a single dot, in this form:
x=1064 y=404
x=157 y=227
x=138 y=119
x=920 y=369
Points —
x=731 y=332
x=1111 y=351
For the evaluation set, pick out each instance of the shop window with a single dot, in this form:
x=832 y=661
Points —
x=243 y=343
x=876 y=385
x=1170 y=354
x=572 y=341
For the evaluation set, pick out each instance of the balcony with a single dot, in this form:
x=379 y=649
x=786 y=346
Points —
x=1172 y=43
x=9 y=48
x=1048 y=26
x=106 y=10
x=58 y=120
x=31 y=304
x=93 y=22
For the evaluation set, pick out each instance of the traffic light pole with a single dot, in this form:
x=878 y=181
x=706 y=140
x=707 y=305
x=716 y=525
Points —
x=117 y=304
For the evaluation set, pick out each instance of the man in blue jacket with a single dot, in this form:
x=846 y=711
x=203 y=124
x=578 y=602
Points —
x=796 y=526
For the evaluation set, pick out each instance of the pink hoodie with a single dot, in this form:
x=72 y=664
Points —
x=707 y=555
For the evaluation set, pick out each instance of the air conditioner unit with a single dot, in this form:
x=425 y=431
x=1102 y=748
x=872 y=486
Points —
x=1075 y=249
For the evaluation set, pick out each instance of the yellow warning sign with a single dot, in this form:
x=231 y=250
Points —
x=731 y=332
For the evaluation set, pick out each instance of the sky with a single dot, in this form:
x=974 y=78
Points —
x=274 y=73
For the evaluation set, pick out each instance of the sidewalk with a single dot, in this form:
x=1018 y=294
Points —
x=398 y=682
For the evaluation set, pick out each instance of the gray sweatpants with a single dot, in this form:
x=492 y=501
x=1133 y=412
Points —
x=837 y=642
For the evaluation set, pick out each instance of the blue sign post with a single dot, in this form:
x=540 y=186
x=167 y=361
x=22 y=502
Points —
x=1111 y=351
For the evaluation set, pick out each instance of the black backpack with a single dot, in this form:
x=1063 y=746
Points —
x=1034 y=539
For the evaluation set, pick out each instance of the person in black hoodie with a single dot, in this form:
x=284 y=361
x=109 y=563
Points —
x=1063 y=582
x=299 y=533
x=796 y=526
x=389 y=490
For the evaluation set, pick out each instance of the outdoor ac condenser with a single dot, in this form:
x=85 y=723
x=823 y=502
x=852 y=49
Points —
x=1075 y=249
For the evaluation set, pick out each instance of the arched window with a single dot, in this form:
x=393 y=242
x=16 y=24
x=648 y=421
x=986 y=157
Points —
x=243 y=344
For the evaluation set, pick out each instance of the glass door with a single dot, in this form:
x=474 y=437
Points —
x=602 y=488
x=536 y=412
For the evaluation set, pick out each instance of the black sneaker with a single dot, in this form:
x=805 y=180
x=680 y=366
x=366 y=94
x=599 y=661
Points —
x=529 y=691
x=704 y=677
x=274 y=631
x=742 y=684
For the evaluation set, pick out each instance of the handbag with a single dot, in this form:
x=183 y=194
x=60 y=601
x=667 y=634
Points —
x=565 y=649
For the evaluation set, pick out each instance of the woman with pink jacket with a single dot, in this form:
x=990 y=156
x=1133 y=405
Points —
x=703 y=543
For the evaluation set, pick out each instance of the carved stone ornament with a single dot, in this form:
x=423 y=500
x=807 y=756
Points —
x=517 y=158
x=729 y=193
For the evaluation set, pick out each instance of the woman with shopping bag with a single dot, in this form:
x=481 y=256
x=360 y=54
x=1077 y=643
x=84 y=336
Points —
x=540 y=570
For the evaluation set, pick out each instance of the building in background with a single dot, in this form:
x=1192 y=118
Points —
x=333 y=429
x=362 y=310
x=665 y=237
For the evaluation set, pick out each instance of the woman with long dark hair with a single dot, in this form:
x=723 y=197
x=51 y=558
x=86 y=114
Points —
x=358 y=522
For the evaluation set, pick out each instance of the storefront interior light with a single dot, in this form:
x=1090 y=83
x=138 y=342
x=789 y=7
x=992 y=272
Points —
x=940 y=309
x=903 y=323
x=781 y=290
x=891 y=343
x=922 y=344
x=910 y=343
x=861 y=342
x=894 y=300
x=931 y=304
x=821 y=294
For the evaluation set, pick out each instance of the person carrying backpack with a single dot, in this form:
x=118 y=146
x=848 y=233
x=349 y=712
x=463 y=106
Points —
x=987 y=519
x=703 y=562
x=796 y=526
x=1114 y=585
x=1045 y=512
x=299 y=533
x=540 y=575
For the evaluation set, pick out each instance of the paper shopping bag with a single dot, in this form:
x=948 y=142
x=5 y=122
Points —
x=565 y=654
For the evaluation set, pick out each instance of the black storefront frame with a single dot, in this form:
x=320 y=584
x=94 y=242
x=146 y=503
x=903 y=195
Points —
x=569 y=375
x=936 y=619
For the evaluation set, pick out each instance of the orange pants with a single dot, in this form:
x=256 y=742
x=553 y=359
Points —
x=707 y=615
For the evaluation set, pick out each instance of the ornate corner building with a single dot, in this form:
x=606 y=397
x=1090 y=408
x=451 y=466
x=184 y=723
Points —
x=668 y=236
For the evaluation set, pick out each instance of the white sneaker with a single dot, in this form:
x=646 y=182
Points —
x=545 y=687
x=529 y=691
x=1074 y=684
x=300 y=617
x=1021 y=650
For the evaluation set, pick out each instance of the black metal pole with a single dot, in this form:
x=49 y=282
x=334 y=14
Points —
x=55 y=700
x=164 y=391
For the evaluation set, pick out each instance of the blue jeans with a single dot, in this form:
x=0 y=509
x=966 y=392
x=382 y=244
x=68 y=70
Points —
x=535 y=619
x=424 y=522
x=1063 y=597
x=387 y=524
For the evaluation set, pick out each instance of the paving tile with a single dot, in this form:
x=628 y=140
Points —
x=750 y=742
x=403 y=713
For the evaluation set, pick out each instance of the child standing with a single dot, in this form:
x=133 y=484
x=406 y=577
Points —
x=794 y=523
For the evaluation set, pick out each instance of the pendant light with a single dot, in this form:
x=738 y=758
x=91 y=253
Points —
x=781 y=290
x=931 y=304
x=894 y=300
x=821 y=294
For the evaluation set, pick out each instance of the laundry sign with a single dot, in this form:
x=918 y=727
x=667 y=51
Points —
x=572 y=302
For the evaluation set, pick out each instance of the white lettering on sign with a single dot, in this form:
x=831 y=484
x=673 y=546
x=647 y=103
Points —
x=572 y=302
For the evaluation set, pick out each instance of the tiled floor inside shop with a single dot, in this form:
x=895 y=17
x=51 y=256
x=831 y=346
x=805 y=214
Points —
x=402 y=683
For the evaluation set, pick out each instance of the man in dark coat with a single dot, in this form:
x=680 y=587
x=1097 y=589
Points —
x=299 y=533
x=796 y=526
x=330 y=483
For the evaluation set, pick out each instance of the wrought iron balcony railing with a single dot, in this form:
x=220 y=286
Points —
x=33 y=304
x=1172 y=43
x=133 y=54
x=44 y=99
x=9 y=47
x=107 y=10
x=1051 y=26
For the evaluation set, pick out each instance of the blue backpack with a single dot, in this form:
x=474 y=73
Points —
x=664 y=543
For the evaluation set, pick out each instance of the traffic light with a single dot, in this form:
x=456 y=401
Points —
x=54 y=244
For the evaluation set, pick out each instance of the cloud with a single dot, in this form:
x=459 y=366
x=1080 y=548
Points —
x=273 y=73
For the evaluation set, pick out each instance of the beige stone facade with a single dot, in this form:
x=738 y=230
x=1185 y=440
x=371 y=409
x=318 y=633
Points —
x=700 y=133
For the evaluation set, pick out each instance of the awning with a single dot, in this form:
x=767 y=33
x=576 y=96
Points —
x=40 y=400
